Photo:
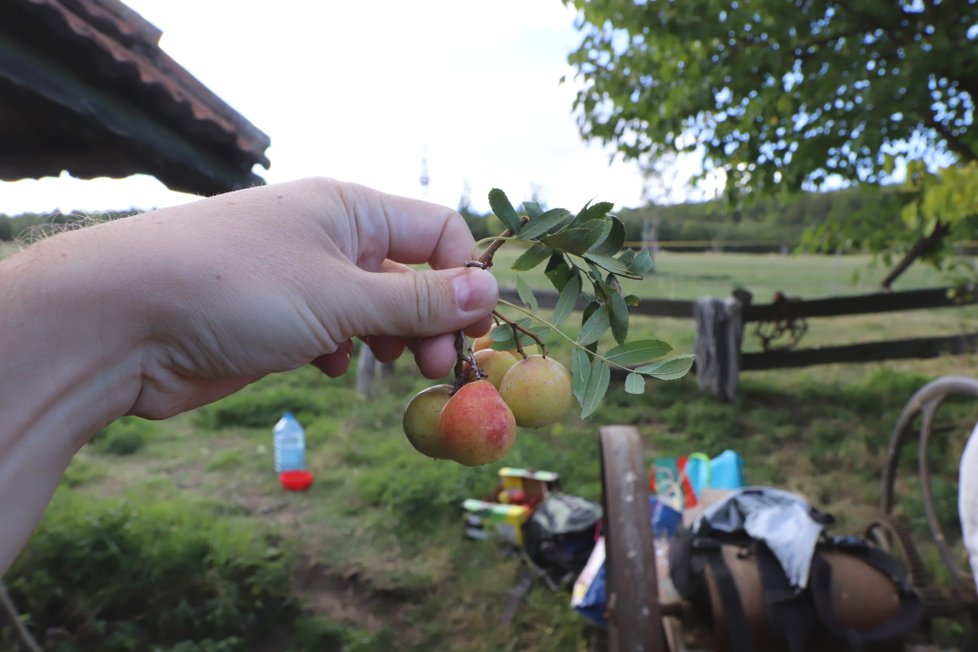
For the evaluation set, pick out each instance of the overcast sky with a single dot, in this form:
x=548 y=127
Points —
x=363 y=90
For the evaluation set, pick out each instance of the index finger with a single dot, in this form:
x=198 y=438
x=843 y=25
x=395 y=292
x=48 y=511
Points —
x=409 y=231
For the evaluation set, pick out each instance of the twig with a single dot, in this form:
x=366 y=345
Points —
x=10 y=612
x=463 y=354
x=517 y=329
x=463 y=350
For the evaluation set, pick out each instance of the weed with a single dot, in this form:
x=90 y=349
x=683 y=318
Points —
x=177 y=575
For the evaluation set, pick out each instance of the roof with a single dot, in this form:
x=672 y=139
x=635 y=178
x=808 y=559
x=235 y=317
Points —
x=84 y=87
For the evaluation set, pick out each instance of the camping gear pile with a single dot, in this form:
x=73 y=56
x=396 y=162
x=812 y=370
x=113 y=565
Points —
x=757 y=567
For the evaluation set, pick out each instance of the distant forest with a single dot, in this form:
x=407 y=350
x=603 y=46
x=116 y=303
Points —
x=808 y=221
x=772 y=224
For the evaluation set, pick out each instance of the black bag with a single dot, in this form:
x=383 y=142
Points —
x=559 y=536
x=856 y=597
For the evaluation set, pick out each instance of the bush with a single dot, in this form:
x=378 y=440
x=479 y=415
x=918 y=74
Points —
x=256 y=409
x=148 y=574
x=125 y=436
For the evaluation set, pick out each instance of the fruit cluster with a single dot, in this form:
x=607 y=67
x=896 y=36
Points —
x=476 y=423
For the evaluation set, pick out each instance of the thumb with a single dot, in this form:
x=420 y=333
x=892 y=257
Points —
x=422 y=303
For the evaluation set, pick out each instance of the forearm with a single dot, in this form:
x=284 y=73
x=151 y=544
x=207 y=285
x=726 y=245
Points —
x=68 y=366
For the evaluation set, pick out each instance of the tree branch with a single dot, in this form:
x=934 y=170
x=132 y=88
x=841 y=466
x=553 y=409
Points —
x=918 y=249
x=9 y=612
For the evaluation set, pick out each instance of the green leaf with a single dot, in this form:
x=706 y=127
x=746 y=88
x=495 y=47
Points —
x=641 y=263
x=580 y=373
x=504 y=210
x=558 y=271
x=576 y=240
x=597 y=387
x=567 y=300
x=668 y=369
x=619 y=318
x=526 y=294
x=634 y=384
x=632 y=300
x=532 y=209
x=545 y=223
x=612 y=265
x=612 y=244
x=592 y=212
x=638 y=352
x=594 y=327
x=532 y=257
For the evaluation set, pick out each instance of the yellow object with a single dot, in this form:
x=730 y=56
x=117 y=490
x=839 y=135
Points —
x=484 y=520
x=534 y=484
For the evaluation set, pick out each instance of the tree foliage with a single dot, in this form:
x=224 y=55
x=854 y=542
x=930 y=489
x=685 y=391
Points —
x=781 y=93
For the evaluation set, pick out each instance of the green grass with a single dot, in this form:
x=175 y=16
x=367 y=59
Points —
x=378 y=560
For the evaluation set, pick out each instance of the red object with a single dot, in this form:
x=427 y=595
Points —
x=295 y=480
x=688 y=492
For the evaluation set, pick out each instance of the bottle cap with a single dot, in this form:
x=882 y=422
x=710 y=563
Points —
x=295 y=480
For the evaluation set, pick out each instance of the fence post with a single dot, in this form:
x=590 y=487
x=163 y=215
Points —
x=367 y=371
x=719 y=334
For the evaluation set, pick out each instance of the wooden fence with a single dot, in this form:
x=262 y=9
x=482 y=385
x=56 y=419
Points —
x=793 y=311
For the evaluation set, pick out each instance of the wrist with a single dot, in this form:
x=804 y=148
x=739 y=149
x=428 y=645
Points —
x=70 y=349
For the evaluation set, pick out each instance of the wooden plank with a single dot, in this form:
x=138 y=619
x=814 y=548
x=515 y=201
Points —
x=921 y=347
x=647 y=306
x=634 y=613
x=859 y=304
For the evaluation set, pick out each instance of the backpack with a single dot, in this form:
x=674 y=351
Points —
x=560 y=534
x=856 y=597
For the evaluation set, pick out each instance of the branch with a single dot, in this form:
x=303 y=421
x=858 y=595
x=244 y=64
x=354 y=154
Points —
x=918 y=249
x=10 y=612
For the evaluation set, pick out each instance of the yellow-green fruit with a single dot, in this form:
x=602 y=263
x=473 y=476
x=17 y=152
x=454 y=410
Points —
x=420 y=419
x=481 y=343
x=485 y=343
x=538 y=391
x=493 y=363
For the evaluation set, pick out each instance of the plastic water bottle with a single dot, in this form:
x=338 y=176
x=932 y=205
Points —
x=290 y=444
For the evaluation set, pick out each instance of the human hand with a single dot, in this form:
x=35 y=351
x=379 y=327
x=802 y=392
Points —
x=230 y=288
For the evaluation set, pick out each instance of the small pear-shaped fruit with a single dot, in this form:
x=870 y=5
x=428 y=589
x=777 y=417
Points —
x=476 y=426
x=538 y=391
x=493 y=363
x=480 y=343
x=485 y=342
x=420 y=419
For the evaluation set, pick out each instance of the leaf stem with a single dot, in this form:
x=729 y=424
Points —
x=567 y=337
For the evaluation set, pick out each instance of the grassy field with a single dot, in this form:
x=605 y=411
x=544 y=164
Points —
x=374 y=555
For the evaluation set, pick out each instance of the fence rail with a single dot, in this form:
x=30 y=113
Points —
x=796 y=309
x=857 y=304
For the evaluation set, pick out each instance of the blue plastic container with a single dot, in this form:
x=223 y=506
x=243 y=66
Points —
x=290 y=444
x=727 y=470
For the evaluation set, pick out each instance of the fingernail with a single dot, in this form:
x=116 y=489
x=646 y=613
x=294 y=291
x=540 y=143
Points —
x=475 y=289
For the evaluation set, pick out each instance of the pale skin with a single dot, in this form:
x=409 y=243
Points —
x=167 y=311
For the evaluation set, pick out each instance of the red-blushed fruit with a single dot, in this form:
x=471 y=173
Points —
x=538 y=391
x=476 y=426
x=420 y=419
x=493 y=363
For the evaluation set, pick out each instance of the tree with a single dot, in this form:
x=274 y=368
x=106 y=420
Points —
x=781 y=93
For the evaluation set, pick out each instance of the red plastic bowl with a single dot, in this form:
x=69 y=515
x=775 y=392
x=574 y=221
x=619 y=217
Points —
x=295 y=480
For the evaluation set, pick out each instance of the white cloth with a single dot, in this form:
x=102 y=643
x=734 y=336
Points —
x=968 y=500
